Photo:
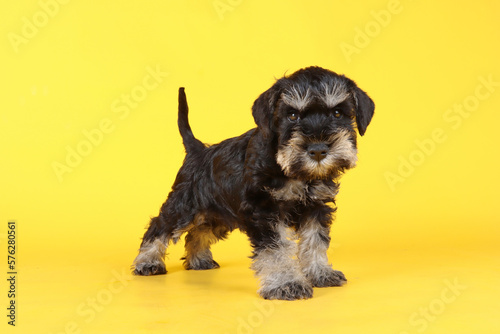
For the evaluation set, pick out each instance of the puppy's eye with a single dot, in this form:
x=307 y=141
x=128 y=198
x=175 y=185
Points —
x=293 y=117
x=337 y=113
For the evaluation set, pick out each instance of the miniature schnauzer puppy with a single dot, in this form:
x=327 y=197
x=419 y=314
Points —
x=277 y=183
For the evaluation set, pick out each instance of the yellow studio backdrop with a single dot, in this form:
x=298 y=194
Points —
x=90 y=148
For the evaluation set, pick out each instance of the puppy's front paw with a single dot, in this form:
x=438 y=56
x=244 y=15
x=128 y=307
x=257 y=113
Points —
x=148 y=269
x=327 y=278
x=288 y=291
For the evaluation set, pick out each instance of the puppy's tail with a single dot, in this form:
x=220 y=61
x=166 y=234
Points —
x=191 y=144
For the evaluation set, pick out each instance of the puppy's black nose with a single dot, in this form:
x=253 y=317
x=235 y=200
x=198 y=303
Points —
x=317 y=151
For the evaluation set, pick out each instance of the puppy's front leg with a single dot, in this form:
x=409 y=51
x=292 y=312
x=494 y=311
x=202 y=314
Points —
x=276 y=265
x=313 y=245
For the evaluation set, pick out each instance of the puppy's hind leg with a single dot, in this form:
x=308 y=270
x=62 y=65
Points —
x=150 y=260
x=198 y=241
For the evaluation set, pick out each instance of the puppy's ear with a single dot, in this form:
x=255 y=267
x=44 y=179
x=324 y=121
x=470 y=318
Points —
x=365 y=109
x=263 y=109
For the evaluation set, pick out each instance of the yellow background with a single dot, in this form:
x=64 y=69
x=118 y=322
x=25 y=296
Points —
x=401 y=244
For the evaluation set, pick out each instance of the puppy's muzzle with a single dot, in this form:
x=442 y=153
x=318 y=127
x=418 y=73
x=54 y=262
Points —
x=317 y=151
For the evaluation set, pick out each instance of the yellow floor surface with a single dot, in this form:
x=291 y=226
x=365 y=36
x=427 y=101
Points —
x=450 y=289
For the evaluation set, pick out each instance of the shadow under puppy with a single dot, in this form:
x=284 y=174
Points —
x=273 y=182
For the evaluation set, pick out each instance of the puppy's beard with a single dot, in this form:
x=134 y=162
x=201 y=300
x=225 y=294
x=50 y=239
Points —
x=295 y=162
